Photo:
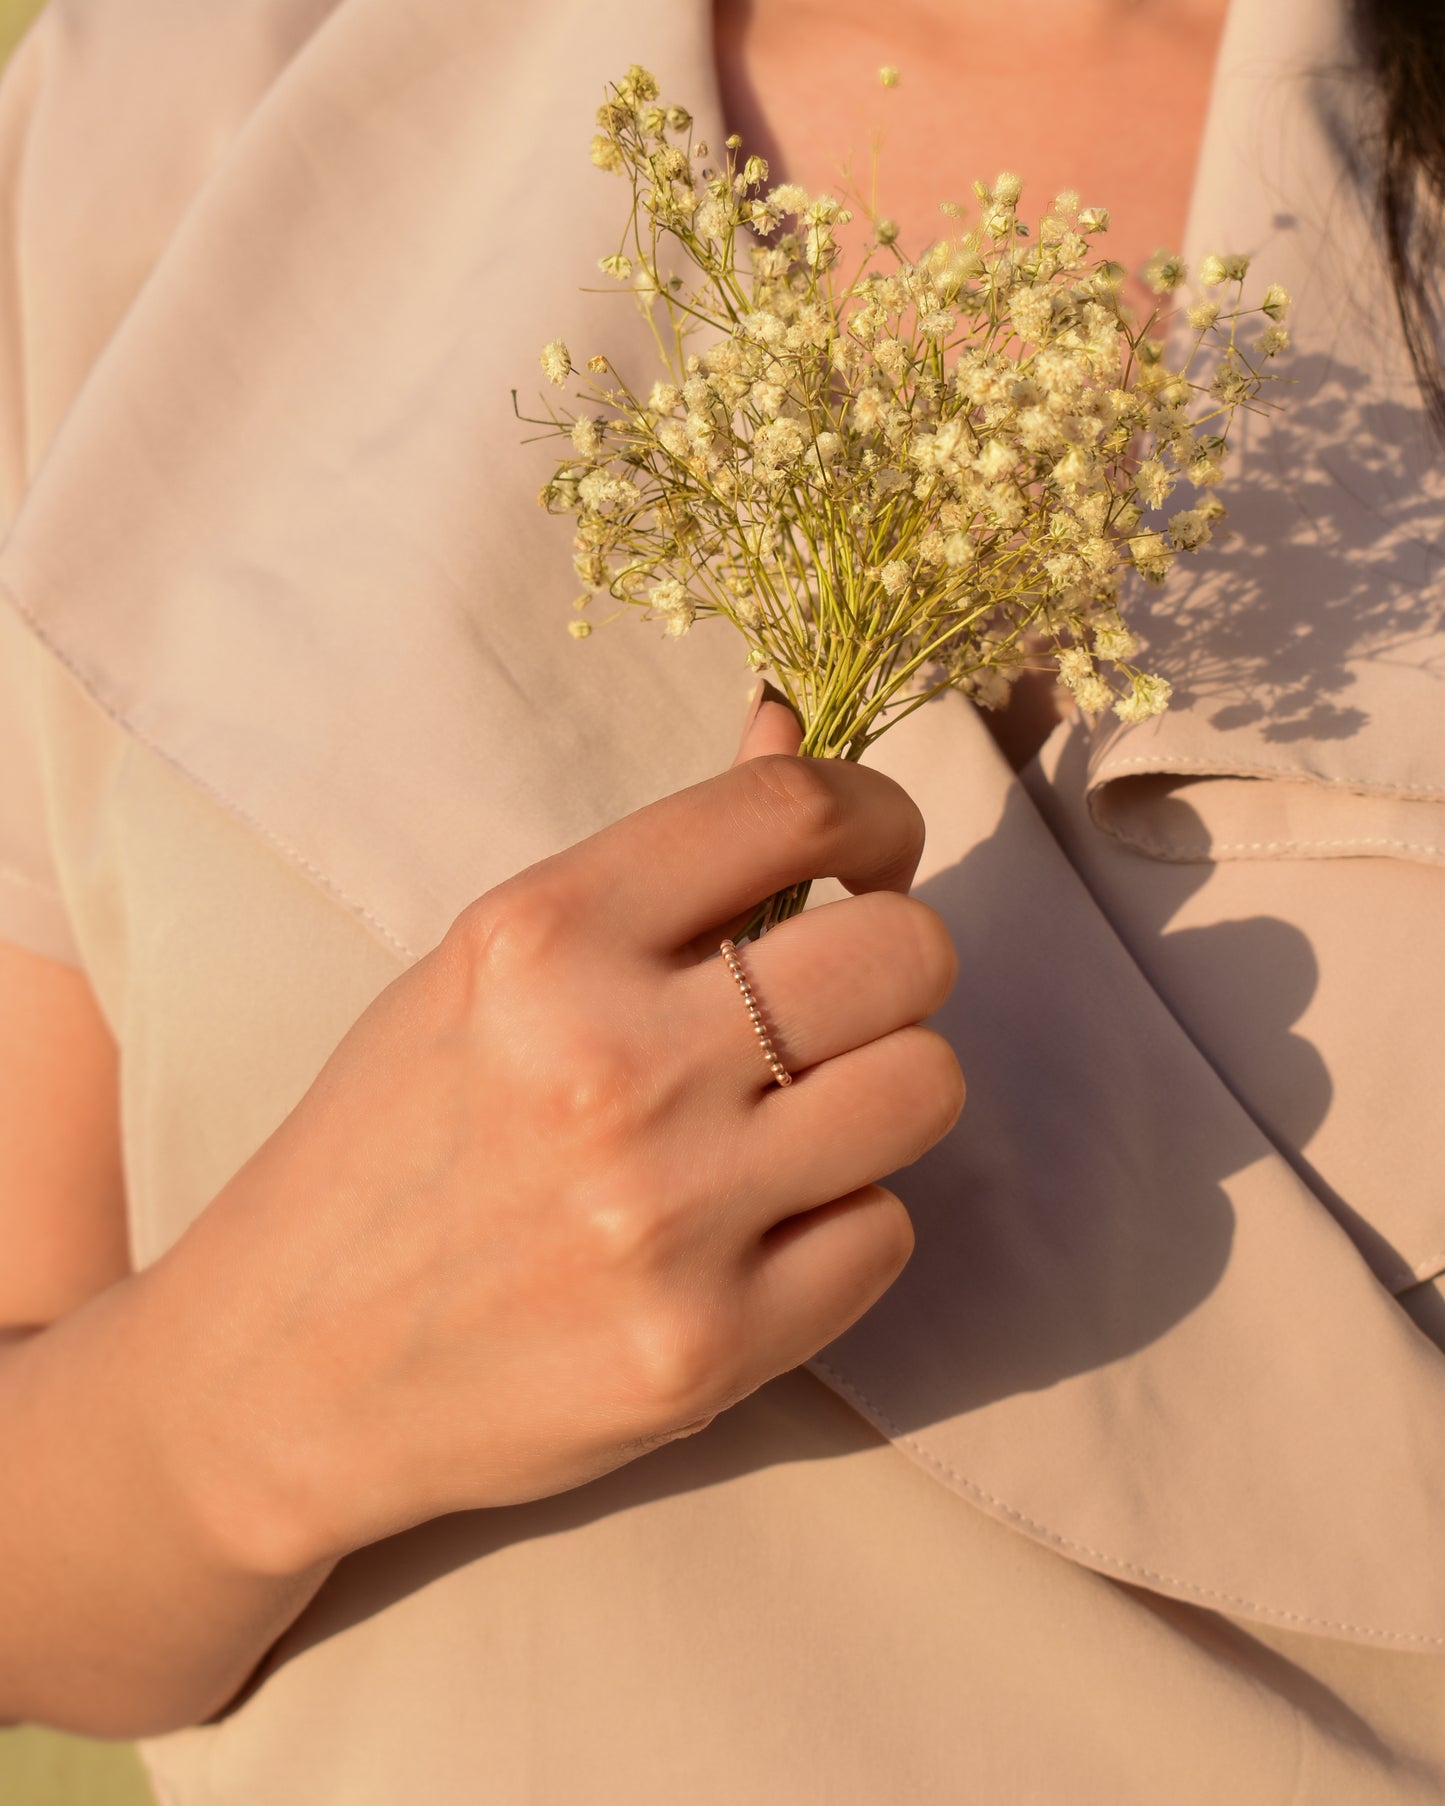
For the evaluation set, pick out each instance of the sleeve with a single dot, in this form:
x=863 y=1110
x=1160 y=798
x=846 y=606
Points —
x=32 y=913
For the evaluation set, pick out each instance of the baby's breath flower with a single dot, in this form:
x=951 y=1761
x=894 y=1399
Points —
x=892 y=356
x=586 y=437
x=607 y=154
x=1152 y=556
x=1093 y=695
x=1114 y=641
x=995 y=461
x=603 y=493
x=1231 y=381
x=888 y=76
x=1212 y=270
x=1150 y=696
x=1032 y=312
x=672 y=437
x=1074 y=665
x=879 y=516
x=780 y=442
x=789 y=198
x=579 y=629
x=868 y=409
x=1152 y=482
x=1188 y=529
x=1164 y=271
x=556 y=362
x=638 y=85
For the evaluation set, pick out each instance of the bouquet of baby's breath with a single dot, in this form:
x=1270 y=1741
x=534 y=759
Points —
x=902 y=477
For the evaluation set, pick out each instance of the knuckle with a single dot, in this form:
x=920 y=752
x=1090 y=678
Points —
x=799 y=791
x=680 y=1364
x=621 y=1229
x=517 y=930
x=591 y=1091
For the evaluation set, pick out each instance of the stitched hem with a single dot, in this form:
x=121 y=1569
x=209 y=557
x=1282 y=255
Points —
x=259 y=828
x=1115 y=1563
x=1202 y=853
x=1256 y=768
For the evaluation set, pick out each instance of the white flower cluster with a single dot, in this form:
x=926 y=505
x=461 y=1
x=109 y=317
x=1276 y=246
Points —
x=906 y=477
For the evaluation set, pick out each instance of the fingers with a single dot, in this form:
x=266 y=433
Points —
x=769 y=727
x=698 y=858
x=853 y=1119
x=827 y=981
x=813 y=1275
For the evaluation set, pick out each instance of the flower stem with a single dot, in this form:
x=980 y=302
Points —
x=778 y=908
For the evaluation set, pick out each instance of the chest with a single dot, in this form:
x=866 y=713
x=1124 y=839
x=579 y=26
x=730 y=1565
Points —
x=1109 y=99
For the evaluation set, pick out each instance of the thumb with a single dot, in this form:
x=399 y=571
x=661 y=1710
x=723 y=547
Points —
x=770 y=725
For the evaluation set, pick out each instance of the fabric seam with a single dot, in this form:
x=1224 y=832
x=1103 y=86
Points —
x=1203 y=852
x=321 y=878
x=1053 y=1537
x=1187 y=762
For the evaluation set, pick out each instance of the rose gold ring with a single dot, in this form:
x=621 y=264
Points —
x=765 y=1040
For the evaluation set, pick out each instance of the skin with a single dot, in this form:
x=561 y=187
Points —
x=295 y=1377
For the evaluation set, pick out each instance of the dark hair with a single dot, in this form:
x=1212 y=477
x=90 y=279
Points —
x=1403 y=45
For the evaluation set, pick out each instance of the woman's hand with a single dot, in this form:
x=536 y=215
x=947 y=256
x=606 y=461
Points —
x=543 y=1209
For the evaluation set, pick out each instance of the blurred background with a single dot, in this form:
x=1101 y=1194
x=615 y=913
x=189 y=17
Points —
x=15 y=15
x=42 y=1768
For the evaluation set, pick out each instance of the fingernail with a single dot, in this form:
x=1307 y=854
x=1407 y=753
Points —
x=754 y=703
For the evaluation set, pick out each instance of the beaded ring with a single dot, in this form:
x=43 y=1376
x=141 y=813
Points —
x=765 y=1041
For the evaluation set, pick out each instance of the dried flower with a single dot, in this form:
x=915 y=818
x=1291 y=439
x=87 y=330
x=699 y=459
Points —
x=556 y=362
x=1164 y=272
x=925 y=474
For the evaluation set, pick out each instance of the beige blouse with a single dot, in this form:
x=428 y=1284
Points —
x=1132 y=1488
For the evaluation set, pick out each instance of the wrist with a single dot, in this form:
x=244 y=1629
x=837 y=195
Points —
x=214 y=1432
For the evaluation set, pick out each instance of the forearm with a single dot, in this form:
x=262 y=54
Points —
x=124 y=1610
